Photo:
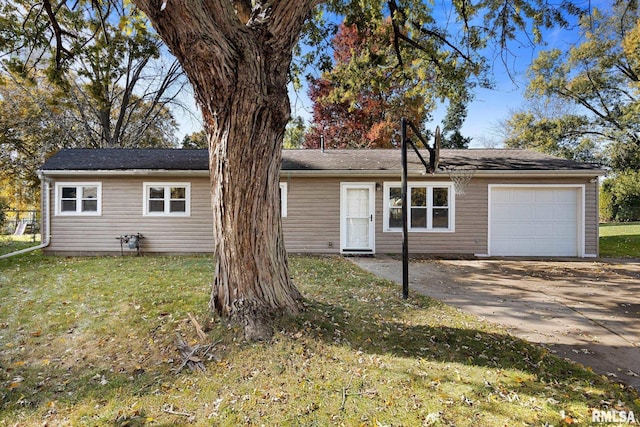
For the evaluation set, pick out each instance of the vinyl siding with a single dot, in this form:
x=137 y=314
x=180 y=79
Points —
x=592 y=220
x=469 y=235
x=312 y=224
x=122 y=213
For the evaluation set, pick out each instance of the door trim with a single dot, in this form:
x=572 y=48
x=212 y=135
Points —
x=344 y=186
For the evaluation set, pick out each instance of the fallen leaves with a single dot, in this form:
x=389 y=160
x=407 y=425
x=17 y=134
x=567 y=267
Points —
x=396 y=362
x=15 y=383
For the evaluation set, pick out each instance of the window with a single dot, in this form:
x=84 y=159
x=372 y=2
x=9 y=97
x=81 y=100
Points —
x=430 y=207
x=167 y=199
x=283 y=199
x=78 y=198
x=394 y=207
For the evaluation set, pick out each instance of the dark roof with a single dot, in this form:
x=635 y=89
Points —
x=389 y=160
x=311 y=160
x=127 y=159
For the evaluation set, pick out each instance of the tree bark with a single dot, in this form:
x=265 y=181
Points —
x=239 y=67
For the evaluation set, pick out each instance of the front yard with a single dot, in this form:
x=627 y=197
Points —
x=92 y=342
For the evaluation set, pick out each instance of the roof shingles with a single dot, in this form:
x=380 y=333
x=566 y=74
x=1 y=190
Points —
x=311 y=160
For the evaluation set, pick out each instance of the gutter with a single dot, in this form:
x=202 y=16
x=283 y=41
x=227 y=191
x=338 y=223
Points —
x=47 y=223
x=331 y=173
x=126 y=172
x=573 y=173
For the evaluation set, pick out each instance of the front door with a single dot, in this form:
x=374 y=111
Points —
x=357 y=225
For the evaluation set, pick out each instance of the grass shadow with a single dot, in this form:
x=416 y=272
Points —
x=374 y=319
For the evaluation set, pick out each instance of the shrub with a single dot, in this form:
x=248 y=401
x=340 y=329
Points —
x=620 y=197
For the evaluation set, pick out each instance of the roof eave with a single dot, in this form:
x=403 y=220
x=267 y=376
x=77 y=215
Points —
x=124 y=172
x=443 y=174
x=543 y=173
x=324 y=173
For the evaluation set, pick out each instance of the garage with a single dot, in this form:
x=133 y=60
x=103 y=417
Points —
x=535 y=221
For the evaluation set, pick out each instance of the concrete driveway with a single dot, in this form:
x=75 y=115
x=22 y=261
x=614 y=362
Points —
x=587 y=311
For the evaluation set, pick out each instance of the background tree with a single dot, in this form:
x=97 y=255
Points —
x=237 y=56
x=599 y=76
x=552 y=126
x=621 y=197
x=115 y=82
x=195 y=140
x=452 y=122
x=4 y=205
x=294 y=133
x=358 y=102
x=32 y=124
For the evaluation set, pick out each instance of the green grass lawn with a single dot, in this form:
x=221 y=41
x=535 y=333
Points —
x=11 y=243
x=620 y=240
x=92 y=342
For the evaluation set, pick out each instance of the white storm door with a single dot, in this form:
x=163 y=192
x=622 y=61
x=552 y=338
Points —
x=357 y=224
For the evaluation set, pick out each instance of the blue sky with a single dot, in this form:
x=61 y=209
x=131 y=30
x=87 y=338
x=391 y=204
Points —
x=491 y=106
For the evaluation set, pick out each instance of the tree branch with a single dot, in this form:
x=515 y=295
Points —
x=59 y=33
x=393 y=8
x=133 y=73
x=627 y=71
x=399 y=18
x=287 y=19
x=155 y=107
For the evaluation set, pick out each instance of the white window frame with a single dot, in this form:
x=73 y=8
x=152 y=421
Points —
x=284 y=189
x=167 y=205
x=429 y=186
x=78 y=185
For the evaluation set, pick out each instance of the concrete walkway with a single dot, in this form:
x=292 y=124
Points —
x=587 y=311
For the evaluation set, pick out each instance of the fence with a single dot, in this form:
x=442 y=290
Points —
x=19 y=223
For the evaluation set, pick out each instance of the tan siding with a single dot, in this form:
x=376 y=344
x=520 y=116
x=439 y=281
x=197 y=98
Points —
x=313 y=215
x=312 y=224
x=592 y=219
x=469 y=237
x=122 y=200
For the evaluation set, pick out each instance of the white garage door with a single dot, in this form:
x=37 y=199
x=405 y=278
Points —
x=534 y=221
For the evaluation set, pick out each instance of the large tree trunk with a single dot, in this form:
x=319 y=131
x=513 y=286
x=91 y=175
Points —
x=238 y=65
x=252 y=279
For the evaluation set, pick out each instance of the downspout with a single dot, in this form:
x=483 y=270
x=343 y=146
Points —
x=46 y=220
